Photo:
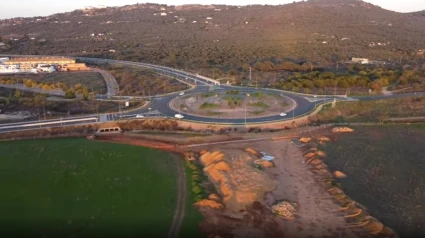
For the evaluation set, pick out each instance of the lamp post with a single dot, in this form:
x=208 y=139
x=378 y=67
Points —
x=245 y=114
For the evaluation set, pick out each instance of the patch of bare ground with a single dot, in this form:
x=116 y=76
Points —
x=318 y=213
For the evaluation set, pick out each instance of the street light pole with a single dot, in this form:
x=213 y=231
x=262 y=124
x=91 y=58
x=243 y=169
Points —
x=245 y=115
x=44 y=112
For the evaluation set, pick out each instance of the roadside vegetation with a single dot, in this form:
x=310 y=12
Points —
x=85 y=84
x=134 y=81
x=63 y=187
x=372 y=111
x=13 y=100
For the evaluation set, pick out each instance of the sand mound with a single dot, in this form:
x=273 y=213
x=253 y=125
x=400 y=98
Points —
x=321 y=153
x=339 y=174
x=309 y=155
x=214 y=197
x=223 y=166
x=209 y=158
x=342 y=129
x=305 y=139
x=239 y=184
x=263 y=163
x=209 y=203
x=323 y=139
x=252 y=151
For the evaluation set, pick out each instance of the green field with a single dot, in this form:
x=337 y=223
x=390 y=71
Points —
x=90 y=79
x=83 y=188
x=385 y=172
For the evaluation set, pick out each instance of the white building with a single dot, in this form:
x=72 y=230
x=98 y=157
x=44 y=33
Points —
x=360 y=60
x=163 y=14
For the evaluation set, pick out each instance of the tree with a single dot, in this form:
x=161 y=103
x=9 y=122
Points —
x=85 y=93
x=69 y=94
x=17 y=93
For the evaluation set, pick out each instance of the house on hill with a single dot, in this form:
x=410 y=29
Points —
x=360 y=60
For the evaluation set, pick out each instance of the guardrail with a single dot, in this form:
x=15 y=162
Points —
x=49 y=123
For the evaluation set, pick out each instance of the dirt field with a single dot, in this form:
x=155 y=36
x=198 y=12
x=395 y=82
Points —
x=316 y=216
x=233 y=105
x=384 y=165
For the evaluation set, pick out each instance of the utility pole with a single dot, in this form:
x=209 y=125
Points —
x=245 y=114
x=39 y=120
x=249 y=74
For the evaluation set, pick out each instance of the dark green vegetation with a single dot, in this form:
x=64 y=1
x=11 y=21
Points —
x=384 y=165
x=142 y=82
x=373 y=111
x=83 y=188
x=194 y=179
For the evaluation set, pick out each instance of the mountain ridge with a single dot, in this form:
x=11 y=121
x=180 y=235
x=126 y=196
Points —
x=320 y=30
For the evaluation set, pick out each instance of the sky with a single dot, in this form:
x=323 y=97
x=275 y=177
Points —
x=30 y=8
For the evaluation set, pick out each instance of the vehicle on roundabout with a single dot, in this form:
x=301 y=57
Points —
x=139 y=116
x=181 y=94
x=179 y=116
x=282 y=114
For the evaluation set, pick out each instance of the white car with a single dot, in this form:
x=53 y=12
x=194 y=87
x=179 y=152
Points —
x=282 y=114
x=139 y=116
x=181 y=94
x=179 y=116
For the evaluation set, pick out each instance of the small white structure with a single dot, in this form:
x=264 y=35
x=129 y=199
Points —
x=209 y=18
x=112 y=51
x=46 y=68
x=194 y=22
x=163 y=14
x=360 y=60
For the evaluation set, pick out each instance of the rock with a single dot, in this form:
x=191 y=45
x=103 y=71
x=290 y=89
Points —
x=342 y=129
x=214 y=197
x=285 y=210
x=305 y=139
x=339 y=174
x=264 y=163
x=209 y=203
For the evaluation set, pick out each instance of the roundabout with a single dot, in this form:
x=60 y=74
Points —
x=233 y=104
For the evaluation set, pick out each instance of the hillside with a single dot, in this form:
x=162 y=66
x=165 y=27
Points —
x=200 y=36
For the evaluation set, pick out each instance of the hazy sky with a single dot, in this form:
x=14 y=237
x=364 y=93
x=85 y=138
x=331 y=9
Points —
x=29 y=8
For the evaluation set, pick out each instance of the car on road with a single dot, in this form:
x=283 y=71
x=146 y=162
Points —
x=282 y=114
x=139 y=116
x=179 y=116
x=181 y=94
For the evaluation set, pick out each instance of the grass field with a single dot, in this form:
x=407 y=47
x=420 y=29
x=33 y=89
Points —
x=385 y=165
x=90 y=79
x=83 y=188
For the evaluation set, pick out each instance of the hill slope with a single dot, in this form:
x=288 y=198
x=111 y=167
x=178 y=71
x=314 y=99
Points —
x=199 y=36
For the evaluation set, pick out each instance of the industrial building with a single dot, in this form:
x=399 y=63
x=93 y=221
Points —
x=40 y=64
